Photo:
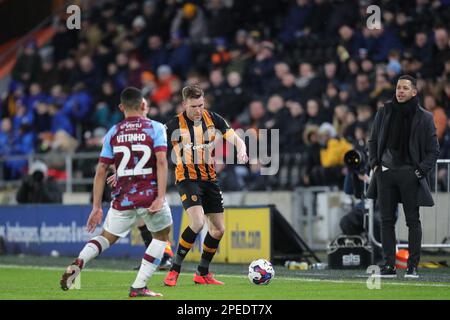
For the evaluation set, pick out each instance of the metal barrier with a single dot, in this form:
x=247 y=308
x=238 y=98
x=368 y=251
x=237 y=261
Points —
x=439 y=198
x=68 y=160
x=305 y=213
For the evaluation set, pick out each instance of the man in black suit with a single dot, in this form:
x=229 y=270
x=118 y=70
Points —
x=403 y=148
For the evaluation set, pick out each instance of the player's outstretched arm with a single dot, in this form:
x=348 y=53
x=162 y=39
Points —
x=233 y=138
x=161 y=174
x=95 y=218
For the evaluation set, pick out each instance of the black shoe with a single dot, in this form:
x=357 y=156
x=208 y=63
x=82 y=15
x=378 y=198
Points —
x=387 y=271
x=412 y=273
x=166 y=263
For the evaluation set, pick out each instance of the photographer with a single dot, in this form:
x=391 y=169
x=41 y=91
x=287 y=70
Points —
x=357 y=163
x=352 y=223
x=37 y=187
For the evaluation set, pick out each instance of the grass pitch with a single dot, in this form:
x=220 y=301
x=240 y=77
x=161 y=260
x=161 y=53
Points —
x=42 y=282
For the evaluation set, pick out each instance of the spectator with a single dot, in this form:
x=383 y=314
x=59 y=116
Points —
x=151 y=15
x=169 y=9
x=255 y=117
x=179 y=55
x=277 y=112
x=383 y=89
x=342 y=12
x=332 y=154
x=296 y=20
x=63 y=42
x=288 y=89
x=37 y=187
x=155 y=52
x=240 y=52
x=393 y=69
x=313 y=112
x=330 y=74
x=138 y=32
x=331 y=98
x=235 y=98
x=216 y=91
x=403 y=27
x=441 y=50
x=367 y=67
x=21 y=145
x=219 y=20
x=364 y=116
x=262 y=68
x=293 y=128
x=42 y=119
x=311 y=171
x=134 y=74
x=28 y=65
x=88 y=74
x=422 y=48
x=281 y=69
x=163 y=91
x=446 y=98
x=60 y=120
x=66 y=69
x=308 y=83
x=6 y=137
x=380 y=43
x=321 y=10
x=340 y=119
x=23 y=115
x=221 y=57
x=361 y=92
x=48 y=77
x=36 y=95
x=78 y=104
x=440 y=118
x=351 y=41
x=190 y=21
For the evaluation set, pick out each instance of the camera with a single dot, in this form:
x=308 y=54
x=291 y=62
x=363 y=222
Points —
x=38 y=176
x=38 y=171
x=356 y=161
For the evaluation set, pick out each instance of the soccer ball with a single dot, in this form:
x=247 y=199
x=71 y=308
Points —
x=260 y=272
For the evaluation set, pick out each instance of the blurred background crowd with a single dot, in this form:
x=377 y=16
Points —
x=310 y=68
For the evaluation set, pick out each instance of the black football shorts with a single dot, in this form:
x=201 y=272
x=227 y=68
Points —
x=201 y=193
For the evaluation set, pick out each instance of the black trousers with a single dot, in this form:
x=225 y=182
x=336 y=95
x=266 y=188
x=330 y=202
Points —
x=395 y=186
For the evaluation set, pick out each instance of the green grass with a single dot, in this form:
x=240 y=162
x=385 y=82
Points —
x=21 y=282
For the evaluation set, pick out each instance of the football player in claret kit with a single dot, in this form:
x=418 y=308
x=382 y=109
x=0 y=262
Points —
x=137 y=147
x=146 y=235
x=193 y=136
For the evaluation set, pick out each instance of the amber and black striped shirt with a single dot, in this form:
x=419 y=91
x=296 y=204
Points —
x=193 y=145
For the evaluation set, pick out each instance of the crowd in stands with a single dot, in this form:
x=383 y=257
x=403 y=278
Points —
x=310 y=68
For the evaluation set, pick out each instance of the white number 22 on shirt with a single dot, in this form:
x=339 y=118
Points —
x=139 y=168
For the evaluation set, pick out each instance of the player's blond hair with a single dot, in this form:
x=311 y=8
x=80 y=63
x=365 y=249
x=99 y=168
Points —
x=192 y=92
